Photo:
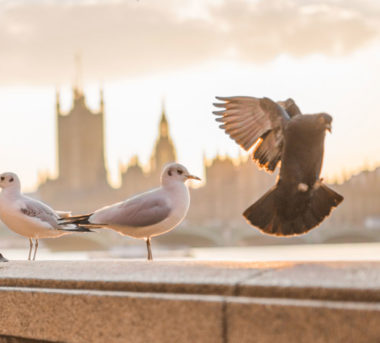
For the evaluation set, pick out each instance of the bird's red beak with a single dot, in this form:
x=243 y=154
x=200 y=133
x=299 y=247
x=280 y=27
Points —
x=193 y=177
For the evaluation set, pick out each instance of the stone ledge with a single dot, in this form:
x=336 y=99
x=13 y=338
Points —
x=190 y=301
x=352 y=281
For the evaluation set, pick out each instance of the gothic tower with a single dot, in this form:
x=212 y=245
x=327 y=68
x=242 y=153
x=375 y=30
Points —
x=80 y=138
x=164 y=151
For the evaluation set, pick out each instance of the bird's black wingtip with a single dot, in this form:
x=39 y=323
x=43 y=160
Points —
x=77 y=229
x=81 y=219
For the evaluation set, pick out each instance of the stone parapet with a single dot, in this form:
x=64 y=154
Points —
x=189 y=301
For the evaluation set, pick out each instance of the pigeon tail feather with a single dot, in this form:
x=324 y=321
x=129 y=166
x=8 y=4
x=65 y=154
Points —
x=265 y=216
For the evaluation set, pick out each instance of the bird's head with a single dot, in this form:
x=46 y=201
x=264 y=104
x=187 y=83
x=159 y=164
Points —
x=9 y=180
x=325 y=121
x=175 y=172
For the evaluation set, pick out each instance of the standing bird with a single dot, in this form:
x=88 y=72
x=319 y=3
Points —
x=29 y=217
x=279 y=132
x=148 y=214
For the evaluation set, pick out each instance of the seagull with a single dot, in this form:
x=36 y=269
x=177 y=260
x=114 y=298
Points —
x=29 y=217
x=278 y=131
x=148 y=214
x=2 y=258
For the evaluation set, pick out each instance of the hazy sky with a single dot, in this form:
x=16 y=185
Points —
x=324 y=54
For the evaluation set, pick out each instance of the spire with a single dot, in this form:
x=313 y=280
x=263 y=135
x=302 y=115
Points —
x=204 y=158
x=366 y=166
x=121 y=166
x=217 y=157
x=101 y=100
x=164 y=128
x=78 y=77
x=57 y=102
x=134 y=161
x=163 y=112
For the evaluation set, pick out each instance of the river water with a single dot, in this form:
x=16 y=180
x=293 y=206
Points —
x=310 y=252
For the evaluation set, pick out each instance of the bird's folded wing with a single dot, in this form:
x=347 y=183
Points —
x=249 y=121
x=38 y=210
x=136 y=212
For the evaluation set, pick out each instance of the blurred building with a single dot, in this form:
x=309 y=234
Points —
x=82 y=172
x=359 y=214
x=229 y=187
x=81 y=186
x=133 y=178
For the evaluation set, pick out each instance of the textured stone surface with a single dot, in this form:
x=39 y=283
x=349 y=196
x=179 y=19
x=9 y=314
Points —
x=103 y=316
x=131 y=275
x=302 y=321
x=359 y=281
x=354 y=281
x=13 y=339
x=189 y=301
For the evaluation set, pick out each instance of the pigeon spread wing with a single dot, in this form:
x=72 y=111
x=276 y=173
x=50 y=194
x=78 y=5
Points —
x=253 y=121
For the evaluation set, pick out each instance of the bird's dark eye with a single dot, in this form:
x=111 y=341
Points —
x=179 y=171
x=2 y=178
x=170 y=172
x=11 y=179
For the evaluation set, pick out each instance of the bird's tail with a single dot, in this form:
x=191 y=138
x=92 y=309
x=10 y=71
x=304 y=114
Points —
x=264 y=213
x=73 y=228
x=80 y=223
x=82 y=219
x=2 y=258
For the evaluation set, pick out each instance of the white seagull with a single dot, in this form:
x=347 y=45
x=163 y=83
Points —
x=29 y=217
x=148 y=214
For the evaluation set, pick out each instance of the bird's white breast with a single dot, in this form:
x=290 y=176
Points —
x=15 y=220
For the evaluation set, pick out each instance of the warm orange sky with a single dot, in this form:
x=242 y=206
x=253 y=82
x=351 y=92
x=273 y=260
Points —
x=324 y=54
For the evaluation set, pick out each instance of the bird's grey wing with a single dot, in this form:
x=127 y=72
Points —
x=253 y=121
x=140 y=211
x=36 y=209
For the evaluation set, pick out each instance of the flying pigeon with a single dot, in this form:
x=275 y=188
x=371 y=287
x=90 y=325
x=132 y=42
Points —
x=279 y=132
